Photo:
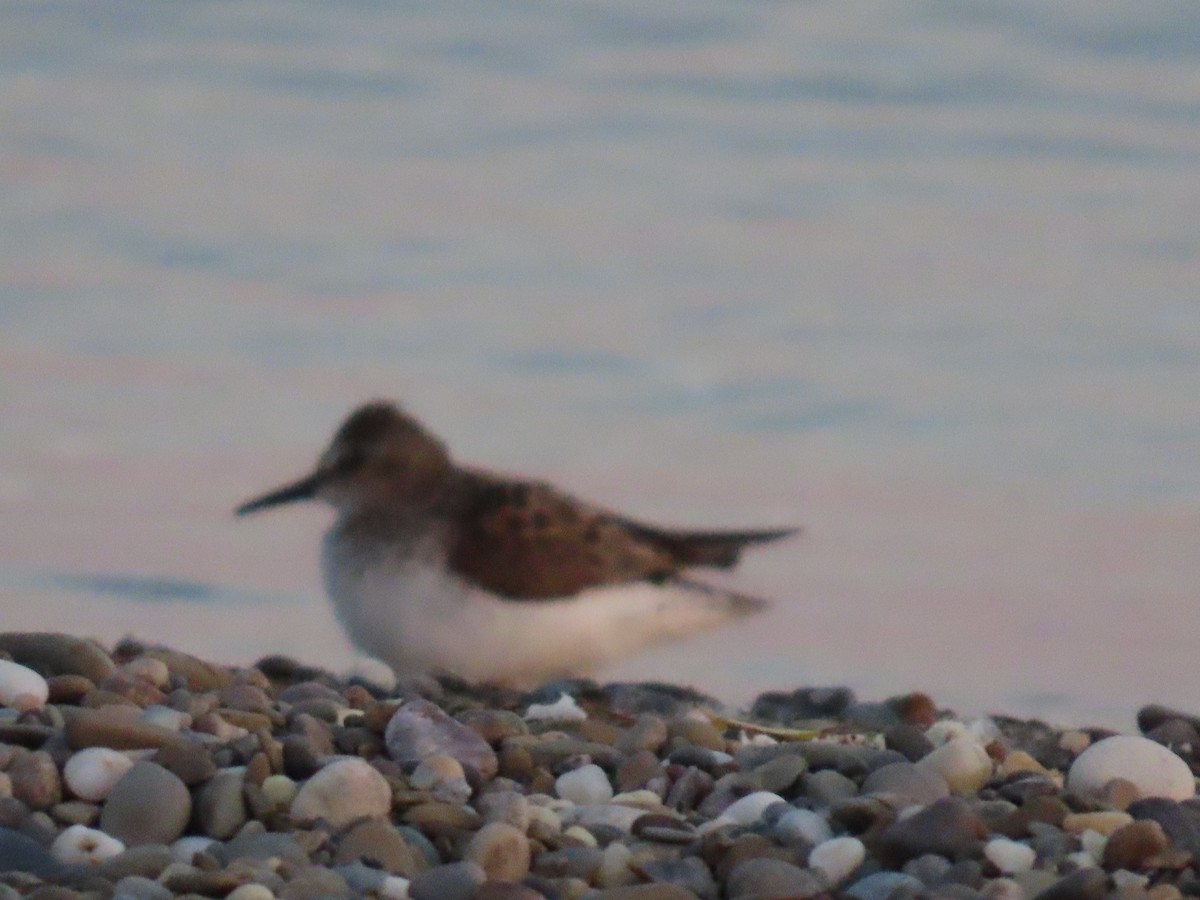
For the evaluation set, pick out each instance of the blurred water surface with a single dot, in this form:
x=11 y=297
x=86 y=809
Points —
x=919 y=276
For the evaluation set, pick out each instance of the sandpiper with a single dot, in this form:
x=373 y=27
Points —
x=433 y=566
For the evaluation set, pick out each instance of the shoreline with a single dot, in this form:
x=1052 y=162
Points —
x=144 y=772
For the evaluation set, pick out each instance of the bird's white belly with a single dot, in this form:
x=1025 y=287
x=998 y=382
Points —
x=417 y=617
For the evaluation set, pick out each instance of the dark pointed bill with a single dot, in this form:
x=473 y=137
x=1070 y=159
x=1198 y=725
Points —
x=304 y=489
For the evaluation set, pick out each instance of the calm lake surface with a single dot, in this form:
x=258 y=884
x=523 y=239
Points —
x=922 y=277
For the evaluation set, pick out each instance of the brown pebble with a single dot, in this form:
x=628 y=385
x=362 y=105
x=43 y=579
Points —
x=197 y=674
x=515 y=762
x=258 y=769
x=1135 y=846
x=116 y=727
x=100 y=697
x=191 y=763
x=35 y=780
x=377 y=842
x=1119 y=793
x=696 y=732
x=914 y=709
x=58 y=654
x=599 y=731
x=70 y=689
x=638 y=769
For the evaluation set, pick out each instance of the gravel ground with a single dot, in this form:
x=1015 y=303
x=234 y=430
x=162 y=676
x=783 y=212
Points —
x=145 y=773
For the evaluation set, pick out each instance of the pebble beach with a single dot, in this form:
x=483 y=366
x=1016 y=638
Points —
x=143 y=772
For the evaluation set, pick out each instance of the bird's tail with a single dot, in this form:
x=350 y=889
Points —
x=720 y=549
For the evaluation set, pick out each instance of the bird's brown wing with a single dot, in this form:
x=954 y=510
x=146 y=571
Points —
x=530 y=541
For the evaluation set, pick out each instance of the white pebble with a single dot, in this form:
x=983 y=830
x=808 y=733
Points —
x=1153 y=769
x=1009 y=856
x=837 y=858
x=394 y=888
x=341 y=792
x=250 y=891
x=92 y=773
x=564 y=709
x=804 y=823
x=80 y=845
x=185 y=849
x=280 y=790
x=166 y=717
x=581 y=836
x=1081 y=859
x=962 y=762
x=5 y=785
x=21 y=687
x=747 y=810
x=1124 y=878
x=148 y=669
x=585 y=785
x=946 y=730
x=1093 y=843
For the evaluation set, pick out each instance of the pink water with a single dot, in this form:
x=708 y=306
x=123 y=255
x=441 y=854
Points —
x=923 y=283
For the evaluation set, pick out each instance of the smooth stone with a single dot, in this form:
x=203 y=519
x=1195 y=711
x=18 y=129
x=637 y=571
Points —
x=505 y=806
x=643 y=892
x=58 y=654
x=117 y=727
x=199 y=675
x=803 y=824
x=781 y=774
x=500 y=890
x=768 y=878
x=184 y=849
x=453 y=881
x=1002 y=889
x=315 y=883
x=585 y=785
x=884 y=885
x=21 y=688
x=647 y=733
x=1103 y=822
x=261 y=846
x=191 y=762
x=92 y=773
x=501 y=850
x=149 y=805
x=746 y=810
x=593 y=816
x=1083 y=884
x=569 y=862
x=433 y=770
x=419 y=729
x=135 y=887
x=280 y=790
x=1180 y=821
x=21 y=853
x=148 y=860
x=220 y=804
x=688 y=872
x=828 y=786
x=837 y=858
x=344 y=790
x=80 y=845
x=1155 y=770
x=379 y=843
x=909 y=740
x=1009 y=856
x=75 y=812
x=1135 y=846
x=908 y=782
x=962 y=762
x=250 y=891
x=948 y=828
x=35 y=780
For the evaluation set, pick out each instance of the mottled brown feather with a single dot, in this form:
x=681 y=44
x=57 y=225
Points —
x=529 y=541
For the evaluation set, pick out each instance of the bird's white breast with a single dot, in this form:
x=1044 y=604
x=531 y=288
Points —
x=409 y=611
